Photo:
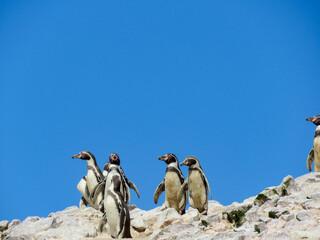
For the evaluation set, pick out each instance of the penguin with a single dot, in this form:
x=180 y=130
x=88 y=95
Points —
x=114 y=159
x=171 y=184
x=197 y=184
x=89 y=183
x=314 y=154
x=116 y=210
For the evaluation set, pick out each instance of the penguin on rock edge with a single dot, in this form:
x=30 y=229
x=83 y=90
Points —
x=117 y=213
x=114 y=159
x=89 y=183
x=171 y=184
x=314 y=154
x=197 y=184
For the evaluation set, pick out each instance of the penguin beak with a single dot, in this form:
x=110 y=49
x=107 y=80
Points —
x=310 y=119
x=163 y=158
x=76 y=156
x=184 y=163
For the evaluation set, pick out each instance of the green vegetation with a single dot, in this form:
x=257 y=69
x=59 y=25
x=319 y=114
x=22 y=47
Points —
x=261 y=199
x=257 y=229
x=272 y=214
x=237 y=216
x=204 y=223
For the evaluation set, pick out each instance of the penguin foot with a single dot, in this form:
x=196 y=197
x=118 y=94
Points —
x=205 y=212
x=181 y=212
x=102 y=224
x=163 y=208
x=83 y=203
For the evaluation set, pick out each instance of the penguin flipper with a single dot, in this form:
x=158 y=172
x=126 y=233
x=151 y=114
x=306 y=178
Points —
x=132 y=186
x=129 y=183
x=183 y=189
x=310 y=159
x=84 y=190
x=128 y=200
x=206 y=180
x=159 y=190
x=99 y=188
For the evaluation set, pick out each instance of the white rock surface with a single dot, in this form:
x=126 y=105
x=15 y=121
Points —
x=288 y=211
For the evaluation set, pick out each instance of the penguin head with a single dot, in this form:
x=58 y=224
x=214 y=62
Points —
x=169 y=158
x=190 y=161
x=114 y=159
x=106 y=169
x=84 y=155
x=315 y=119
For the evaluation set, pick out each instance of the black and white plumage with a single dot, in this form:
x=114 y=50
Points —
x=171 y=184
x=114 y=159
x=89 y=183
x=197 y=184
x=314 y=154
x=116 y=210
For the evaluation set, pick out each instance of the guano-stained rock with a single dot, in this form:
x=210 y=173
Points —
x=288 y=211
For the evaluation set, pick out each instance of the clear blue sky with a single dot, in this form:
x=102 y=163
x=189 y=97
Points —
x=230 y=82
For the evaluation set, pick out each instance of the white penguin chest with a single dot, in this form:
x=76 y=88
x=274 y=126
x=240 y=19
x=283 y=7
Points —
x=172 y=185
x=112 y=214
x=316 y=144
x=195 y=184
x=91 y=180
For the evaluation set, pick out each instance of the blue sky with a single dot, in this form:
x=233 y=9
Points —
x=229 y=82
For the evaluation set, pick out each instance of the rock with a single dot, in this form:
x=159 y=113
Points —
x=290 y=186
x=31 y=219
x=249 y=201
x=287 y=217
x=252 y=215
x=287 y=187
x=14 y=223
x=191 y=215
x=313 y=233
x=260 y=227
x=266 y=195
x=211 y=219
x=139 y=224
x=177 y=231
x=275 y=235
x=315 y=196
x=158 y=219
x=237 y=215
x=288 y=211
x=230 y=235
x=4 y=225
x=28 y=229
x=303 y=215
x=309 y=183
x=291 y=202
x=311 y=204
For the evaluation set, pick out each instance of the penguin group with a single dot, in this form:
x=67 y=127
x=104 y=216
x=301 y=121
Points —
x=175 y=186
x=109 y=192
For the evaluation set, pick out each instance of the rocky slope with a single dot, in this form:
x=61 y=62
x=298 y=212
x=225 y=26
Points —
x=288 y=211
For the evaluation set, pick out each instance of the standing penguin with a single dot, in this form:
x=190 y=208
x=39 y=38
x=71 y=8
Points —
x=197 y=184
x=314 y=154
x=116 y=210
x=171 y=184
x=114 y=159
x=89 y=183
